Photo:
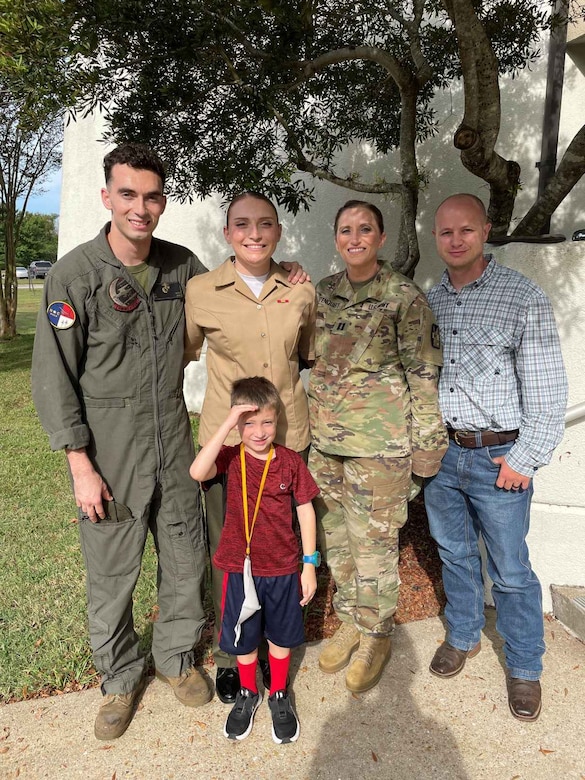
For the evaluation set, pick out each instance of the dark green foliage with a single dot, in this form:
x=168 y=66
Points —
x=37 y=239
x=235 y=95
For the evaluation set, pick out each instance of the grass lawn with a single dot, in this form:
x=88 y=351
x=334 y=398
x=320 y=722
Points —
x=44 y=643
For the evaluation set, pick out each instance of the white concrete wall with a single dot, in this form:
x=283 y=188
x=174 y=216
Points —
x=558 y=531
x=557 y=534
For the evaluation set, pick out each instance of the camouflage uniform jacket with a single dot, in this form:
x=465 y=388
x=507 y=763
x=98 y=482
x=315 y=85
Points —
x=373 y=388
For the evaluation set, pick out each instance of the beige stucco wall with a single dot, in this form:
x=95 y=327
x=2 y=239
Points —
x=558 y=529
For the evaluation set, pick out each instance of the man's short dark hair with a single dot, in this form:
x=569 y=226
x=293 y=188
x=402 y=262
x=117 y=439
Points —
x=136 y=156
x=256 y=390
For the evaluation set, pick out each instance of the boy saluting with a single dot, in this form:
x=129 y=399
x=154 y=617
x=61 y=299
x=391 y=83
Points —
x=258 y=551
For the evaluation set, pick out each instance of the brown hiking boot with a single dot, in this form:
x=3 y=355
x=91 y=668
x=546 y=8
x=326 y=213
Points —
x=190 y=688
x=338 y=652
x=368 y=663
x=115 y=714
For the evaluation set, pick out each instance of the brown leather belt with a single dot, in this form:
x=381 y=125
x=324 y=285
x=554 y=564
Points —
x=472 y=440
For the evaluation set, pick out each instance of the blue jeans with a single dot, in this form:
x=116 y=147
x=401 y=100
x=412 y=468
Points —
x=463 y=502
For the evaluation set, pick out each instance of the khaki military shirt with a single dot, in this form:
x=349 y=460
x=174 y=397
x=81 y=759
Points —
x=373 y=388
x=250 y=336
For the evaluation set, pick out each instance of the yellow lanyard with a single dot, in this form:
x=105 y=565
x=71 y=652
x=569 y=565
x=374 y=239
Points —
x=250 y=530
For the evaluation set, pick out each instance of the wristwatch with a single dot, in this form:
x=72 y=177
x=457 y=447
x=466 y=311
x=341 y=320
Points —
x=315 y=558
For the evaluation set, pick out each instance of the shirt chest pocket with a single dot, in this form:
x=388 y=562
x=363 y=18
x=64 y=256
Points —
x=487 y=353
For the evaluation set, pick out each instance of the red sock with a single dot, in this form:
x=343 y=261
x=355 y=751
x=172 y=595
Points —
x=278 y=672
x=248 y=675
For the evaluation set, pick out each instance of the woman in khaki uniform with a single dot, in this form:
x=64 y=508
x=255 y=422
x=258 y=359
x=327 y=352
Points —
x=256 y=323
x=375 y=421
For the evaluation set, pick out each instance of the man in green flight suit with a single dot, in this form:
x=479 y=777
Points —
x=108 y=387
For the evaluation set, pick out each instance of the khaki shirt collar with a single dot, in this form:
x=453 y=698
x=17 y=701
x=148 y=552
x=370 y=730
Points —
x=228 y=276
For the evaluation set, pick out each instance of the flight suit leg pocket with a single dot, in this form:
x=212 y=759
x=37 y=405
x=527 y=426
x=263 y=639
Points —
x=181 y=549
x=113 y=547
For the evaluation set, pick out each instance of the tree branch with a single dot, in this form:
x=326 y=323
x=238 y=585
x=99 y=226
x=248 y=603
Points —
x=301 y=161
x=348 y=53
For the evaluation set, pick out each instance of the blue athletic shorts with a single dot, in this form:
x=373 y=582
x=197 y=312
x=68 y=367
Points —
x=280 y=618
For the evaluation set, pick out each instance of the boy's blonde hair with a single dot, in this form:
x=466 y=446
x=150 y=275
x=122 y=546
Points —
x=256 y=390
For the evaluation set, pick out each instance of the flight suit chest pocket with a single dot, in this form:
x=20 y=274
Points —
x=175 y=327
x=110 y=325
x=112 y=361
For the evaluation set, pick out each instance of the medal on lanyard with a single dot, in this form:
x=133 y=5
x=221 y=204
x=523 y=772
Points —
x=251 y=603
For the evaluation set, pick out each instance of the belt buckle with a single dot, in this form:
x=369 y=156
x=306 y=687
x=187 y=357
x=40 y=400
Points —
x=456 y=437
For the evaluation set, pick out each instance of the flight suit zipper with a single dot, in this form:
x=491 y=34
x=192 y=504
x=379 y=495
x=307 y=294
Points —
x=155 y=393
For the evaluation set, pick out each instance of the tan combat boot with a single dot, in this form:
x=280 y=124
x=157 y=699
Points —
x=368 y=663
x=190 y=688
x=338 y=652
x=115 y=714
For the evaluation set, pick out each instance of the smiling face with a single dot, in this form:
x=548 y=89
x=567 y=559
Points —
x=358 y=240
x=253 y=233
x=461 y=229
x=136 y=201
x=258 y=431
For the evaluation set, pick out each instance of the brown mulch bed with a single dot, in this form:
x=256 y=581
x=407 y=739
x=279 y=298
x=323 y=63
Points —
x=421 y=588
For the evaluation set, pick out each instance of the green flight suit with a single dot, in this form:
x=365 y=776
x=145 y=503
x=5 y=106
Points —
x=108 y=376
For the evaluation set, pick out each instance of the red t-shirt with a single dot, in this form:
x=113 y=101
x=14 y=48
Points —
x=274 y=549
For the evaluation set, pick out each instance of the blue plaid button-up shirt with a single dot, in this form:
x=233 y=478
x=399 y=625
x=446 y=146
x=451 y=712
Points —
x=502 y=362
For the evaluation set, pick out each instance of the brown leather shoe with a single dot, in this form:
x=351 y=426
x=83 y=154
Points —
x=449 y=661
x=524 y=698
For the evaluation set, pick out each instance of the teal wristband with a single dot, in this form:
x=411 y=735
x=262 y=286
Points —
x=315 y=558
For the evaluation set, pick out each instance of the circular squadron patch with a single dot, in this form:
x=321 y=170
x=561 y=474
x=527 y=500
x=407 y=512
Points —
x=61 y=315
x=124 y=295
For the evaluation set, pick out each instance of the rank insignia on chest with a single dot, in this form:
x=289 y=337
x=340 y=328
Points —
x=167 y=291
x=340 y=327
x=61 y=315
x=435 y=337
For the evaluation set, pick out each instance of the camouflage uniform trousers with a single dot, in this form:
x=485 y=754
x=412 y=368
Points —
x=362 y=506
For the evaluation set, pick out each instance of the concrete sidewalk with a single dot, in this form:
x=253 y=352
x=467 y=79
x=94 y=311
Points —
x=412 y=725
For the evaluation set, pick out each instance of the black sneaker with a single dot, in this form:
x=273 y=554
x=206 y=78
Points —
x=241 y=719
x=285 y=724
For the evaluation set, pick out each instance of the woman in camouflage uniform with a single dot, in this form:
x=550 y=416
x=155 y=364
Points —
x=375 y=422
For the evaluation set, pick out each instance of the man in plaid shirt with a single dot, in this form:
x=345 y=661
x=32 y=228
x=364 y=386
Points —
x=503 y=393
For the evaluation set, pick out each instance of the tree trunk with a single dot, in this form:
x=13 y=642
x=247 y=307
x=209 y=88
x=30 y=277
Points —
x=9 y=293
x=570 y=170
x=477 y=135
x=407 y=250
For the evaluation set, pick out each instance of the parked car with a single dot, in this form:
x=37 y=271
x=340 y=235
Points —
x=38 y=269
x=21 y=272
